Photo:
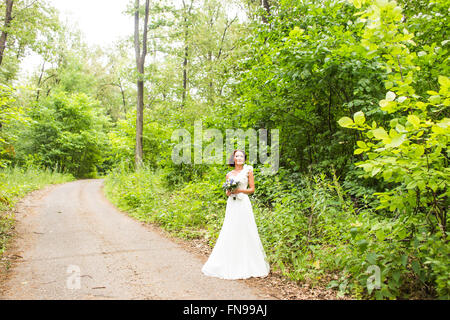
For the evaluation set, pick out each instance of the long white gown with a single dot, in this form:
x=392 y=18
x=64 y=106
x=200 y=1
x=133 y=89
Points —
x=238 y=253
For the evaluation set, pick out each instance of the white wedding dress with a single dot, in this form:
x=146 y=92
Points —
x=238 y=253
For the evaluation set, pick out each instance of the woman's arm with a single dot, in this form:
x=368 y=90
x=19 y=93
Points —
x=228 y=192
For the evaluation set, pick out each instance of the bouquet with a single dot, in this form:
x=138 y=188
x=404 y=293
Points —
x=230 y=185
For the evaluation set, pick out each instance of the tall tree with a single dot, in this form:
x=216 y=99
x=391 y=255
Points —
x=186 y=15
x=140 y=61
x=25 y=25
x=6 y=25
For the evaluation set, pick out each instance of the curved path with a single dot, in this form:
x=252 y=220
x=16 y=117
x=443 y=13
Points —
x=71 y=243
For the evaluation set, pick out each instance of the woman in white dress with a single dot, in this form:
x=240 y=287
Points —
x=238 y=253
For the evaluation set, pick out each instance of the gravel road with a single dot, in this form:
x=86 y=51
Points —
x=71 y=243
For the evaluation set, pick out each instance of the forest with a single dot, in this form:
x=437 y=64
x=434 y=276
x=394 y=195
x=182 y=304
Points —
x=358 y=91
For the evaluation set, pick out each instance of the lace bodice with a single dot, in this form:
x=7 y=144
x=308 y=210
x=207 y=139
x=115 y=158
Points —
x=242 y=176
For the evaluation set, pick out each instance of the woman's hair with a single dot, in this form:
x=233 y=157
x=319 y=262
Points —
x=231 y=161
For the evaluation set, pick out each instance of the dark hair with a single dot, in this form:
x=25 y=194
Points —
x=231 y=160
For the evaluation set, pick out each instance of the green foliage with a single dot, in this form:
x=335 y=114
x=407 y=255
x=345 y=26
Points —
x=156 y=141
x=301 y=73
x=10 y=114
x=33 y=26
x=413 y=152
x=67 y=133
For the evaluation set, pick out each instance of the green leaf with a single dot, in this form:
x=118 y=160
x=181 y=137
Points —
x=421 y=184
x=345 y=122
x=404 y=260
x=402 y=234
x=366 y=166
x=421 y=105
x=380 y=235
x=435 y=99
x=411 y=185
x=437 y=129
x=396 y=141
x=387 y=174
x=359 y=118
x=416 y=267
x=414 y=120
x=333 y=284
x=384 y=104
x=390 y=96
x=374 y=124
x=372 y=258
x=357 y=4
x=444 y=81
x=380 y=134
x=419 y=151
x=400 y=128
x=375 y=171
x=361 y=144
x=393 y=133
x=421 y=54
x=401 y=99
x=388 y=106
x=362 y=245
x=396 y=276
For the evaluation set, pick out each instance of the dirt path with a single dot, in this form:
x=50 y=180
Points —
x=71 y=243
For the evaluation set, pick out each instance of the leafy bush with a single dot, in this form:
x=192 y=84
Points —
x=10 y=114
x=412 y=155
x=66 y=134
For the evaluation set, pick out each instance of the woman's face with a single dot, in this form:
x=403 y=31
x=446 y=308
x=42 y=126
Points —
x=239 y=158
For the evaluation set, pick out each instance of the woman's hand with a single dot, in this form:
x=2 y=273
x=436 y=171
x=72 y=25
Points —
x=235 y=191
x=228 y=193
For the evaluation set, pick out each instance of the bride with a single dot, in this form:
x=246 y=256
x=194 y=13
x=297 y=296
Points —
x=238 y=253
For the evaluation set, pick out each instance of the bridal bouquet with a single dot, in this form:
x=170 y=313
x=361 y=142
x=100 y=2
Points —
x=230 y=185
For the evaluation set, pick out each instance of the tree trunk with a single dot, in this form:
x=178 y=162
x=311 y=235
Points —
x=123 y=99
x=39 y=81
x=266 y=6
x=186 y=13
x=185 y=63
x=4 y=36
x=139 y=123
x=140 y=61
